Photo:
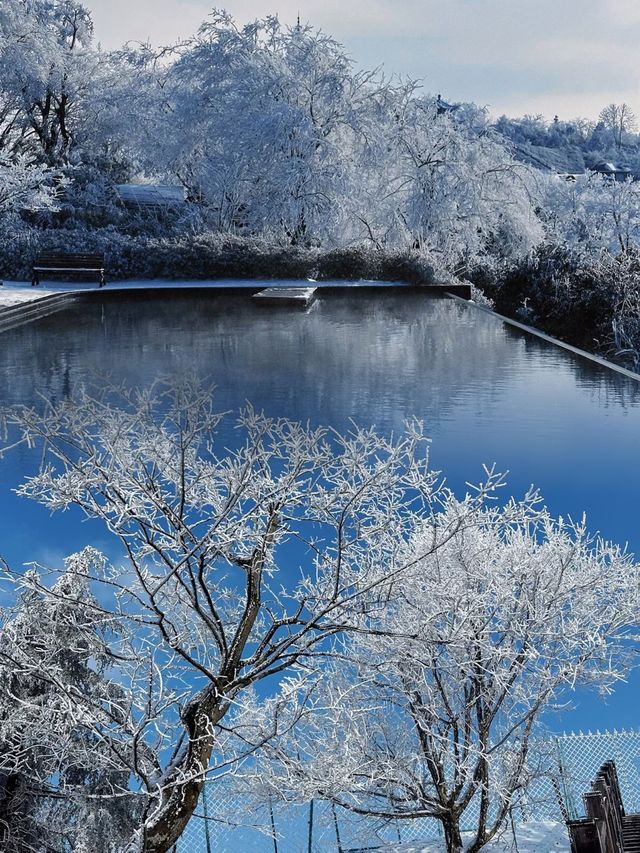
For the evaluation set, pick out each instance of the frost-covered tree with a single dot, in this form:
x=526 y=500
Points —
x=237 y=564
x=620 y=120
x=45 y=65
x=534 y=130
x=431 y=708
x=593 y=215
x=60 y=785
x=428 y=633
x=261 y=124
x=461 y=195
x=273 y=133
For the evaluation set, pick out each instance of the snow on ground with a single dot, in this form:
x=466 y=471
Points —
x=533 y=837
x=13 y=295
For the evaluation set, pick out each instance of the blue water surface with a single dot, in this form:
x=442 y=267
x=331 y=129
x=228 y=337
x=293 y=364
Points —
x=487 y=392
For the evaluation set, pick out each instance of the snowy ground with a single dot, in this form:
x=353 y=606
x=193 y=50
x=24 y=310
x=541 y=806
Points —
x=18 y=295
x=538 y=837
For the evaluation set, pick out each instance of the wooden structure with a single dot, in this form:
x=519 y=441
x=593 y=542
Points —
x=606 y=828
x=613 y=170
x=300 y=296
x=68 y=263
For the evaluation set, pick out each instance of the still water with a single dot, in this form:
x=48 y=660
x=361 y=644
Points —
x=487 y=393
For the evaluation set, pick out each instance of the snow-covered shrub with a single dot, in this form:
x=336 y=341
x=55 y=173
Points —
x=592 y=215
x=591 y=303
x=28 y=186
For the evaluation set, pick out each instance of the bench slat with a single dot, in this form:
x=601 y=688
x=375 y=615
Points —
x=68 y=269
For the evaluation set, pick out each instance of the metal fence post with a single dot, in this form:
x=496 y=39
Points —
x=568 y=799
x=398 y=830
x=310 y=846
x=335 y=823
x=207 y=838
x=273 y=826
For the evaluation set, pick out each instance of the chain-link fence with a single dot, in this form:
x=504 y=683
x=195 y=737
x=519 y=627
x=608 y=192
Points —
x=565 y=766
x=579 y=756
x=236 y=824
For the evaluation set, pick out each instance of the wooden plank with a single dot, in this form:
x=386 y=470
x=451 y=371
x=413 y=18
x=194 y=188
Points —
x=69 y=269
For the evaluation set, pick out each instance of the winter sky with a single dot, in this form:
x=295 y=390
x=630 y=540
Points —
x=569 y=57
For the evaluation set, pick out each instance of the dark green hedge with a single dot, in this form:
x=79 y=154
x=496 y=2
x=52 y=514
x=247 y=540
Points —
x=207 y=256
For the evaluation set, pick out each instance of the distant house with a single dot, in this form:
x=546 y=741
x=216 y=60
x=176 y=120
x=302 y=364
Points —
x=443 y=107
x=150 y=196
x=611 y=170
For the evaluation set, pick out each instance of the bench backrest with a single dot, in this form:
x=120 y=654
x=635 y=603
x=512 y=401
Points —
x=71 y=260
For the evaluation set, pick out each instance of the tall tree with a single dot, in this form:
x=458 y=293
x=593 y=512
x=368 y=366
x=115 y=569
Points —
x=59 y=783
x=430 y=632
x=461 y=195
x=203 y=602
x=45 y=64
x=620 y=120
x=263 y=125
x=431 y=708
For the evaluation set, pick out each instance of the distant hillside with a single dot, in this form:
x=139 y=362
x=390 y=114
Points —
x=570 y=146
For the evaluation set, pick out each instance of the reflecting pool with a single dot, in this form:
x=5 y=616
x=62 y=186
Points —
x=487 y=392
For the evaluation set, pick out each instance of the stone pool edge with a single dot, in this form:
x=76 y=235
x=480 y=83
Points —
x=603 y=362
x=33 y=309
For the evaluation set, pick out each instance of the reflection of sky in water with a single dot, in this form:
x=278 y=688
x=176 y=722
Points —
x=486 y=392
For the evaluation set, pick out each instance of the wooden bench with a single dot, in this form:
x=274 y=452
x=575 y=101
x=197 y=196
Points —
x=68 y=262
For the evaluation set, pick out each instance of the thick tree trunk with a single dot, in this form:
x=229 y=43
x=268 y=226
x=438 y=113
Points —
x=478 y=844
x=183 y=786
x=452 y=836
x=180 y=798
x=18 y=831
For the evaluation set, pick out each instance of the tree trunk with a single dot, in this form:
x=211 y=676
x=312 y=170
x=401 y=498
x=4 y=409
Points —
x=452 y=836
x=18 y=829
x=167 y=823
x=478 y=844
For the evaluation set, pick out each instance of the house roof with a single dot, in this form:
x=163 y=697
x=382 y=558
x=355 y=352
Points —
x=610 y=168
x=443 y=106
x=564 y=161
x=150 y=195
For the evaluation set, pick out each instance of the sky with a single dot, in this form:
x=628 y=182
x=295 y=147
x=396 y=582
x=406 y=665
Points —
x=564 y=57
